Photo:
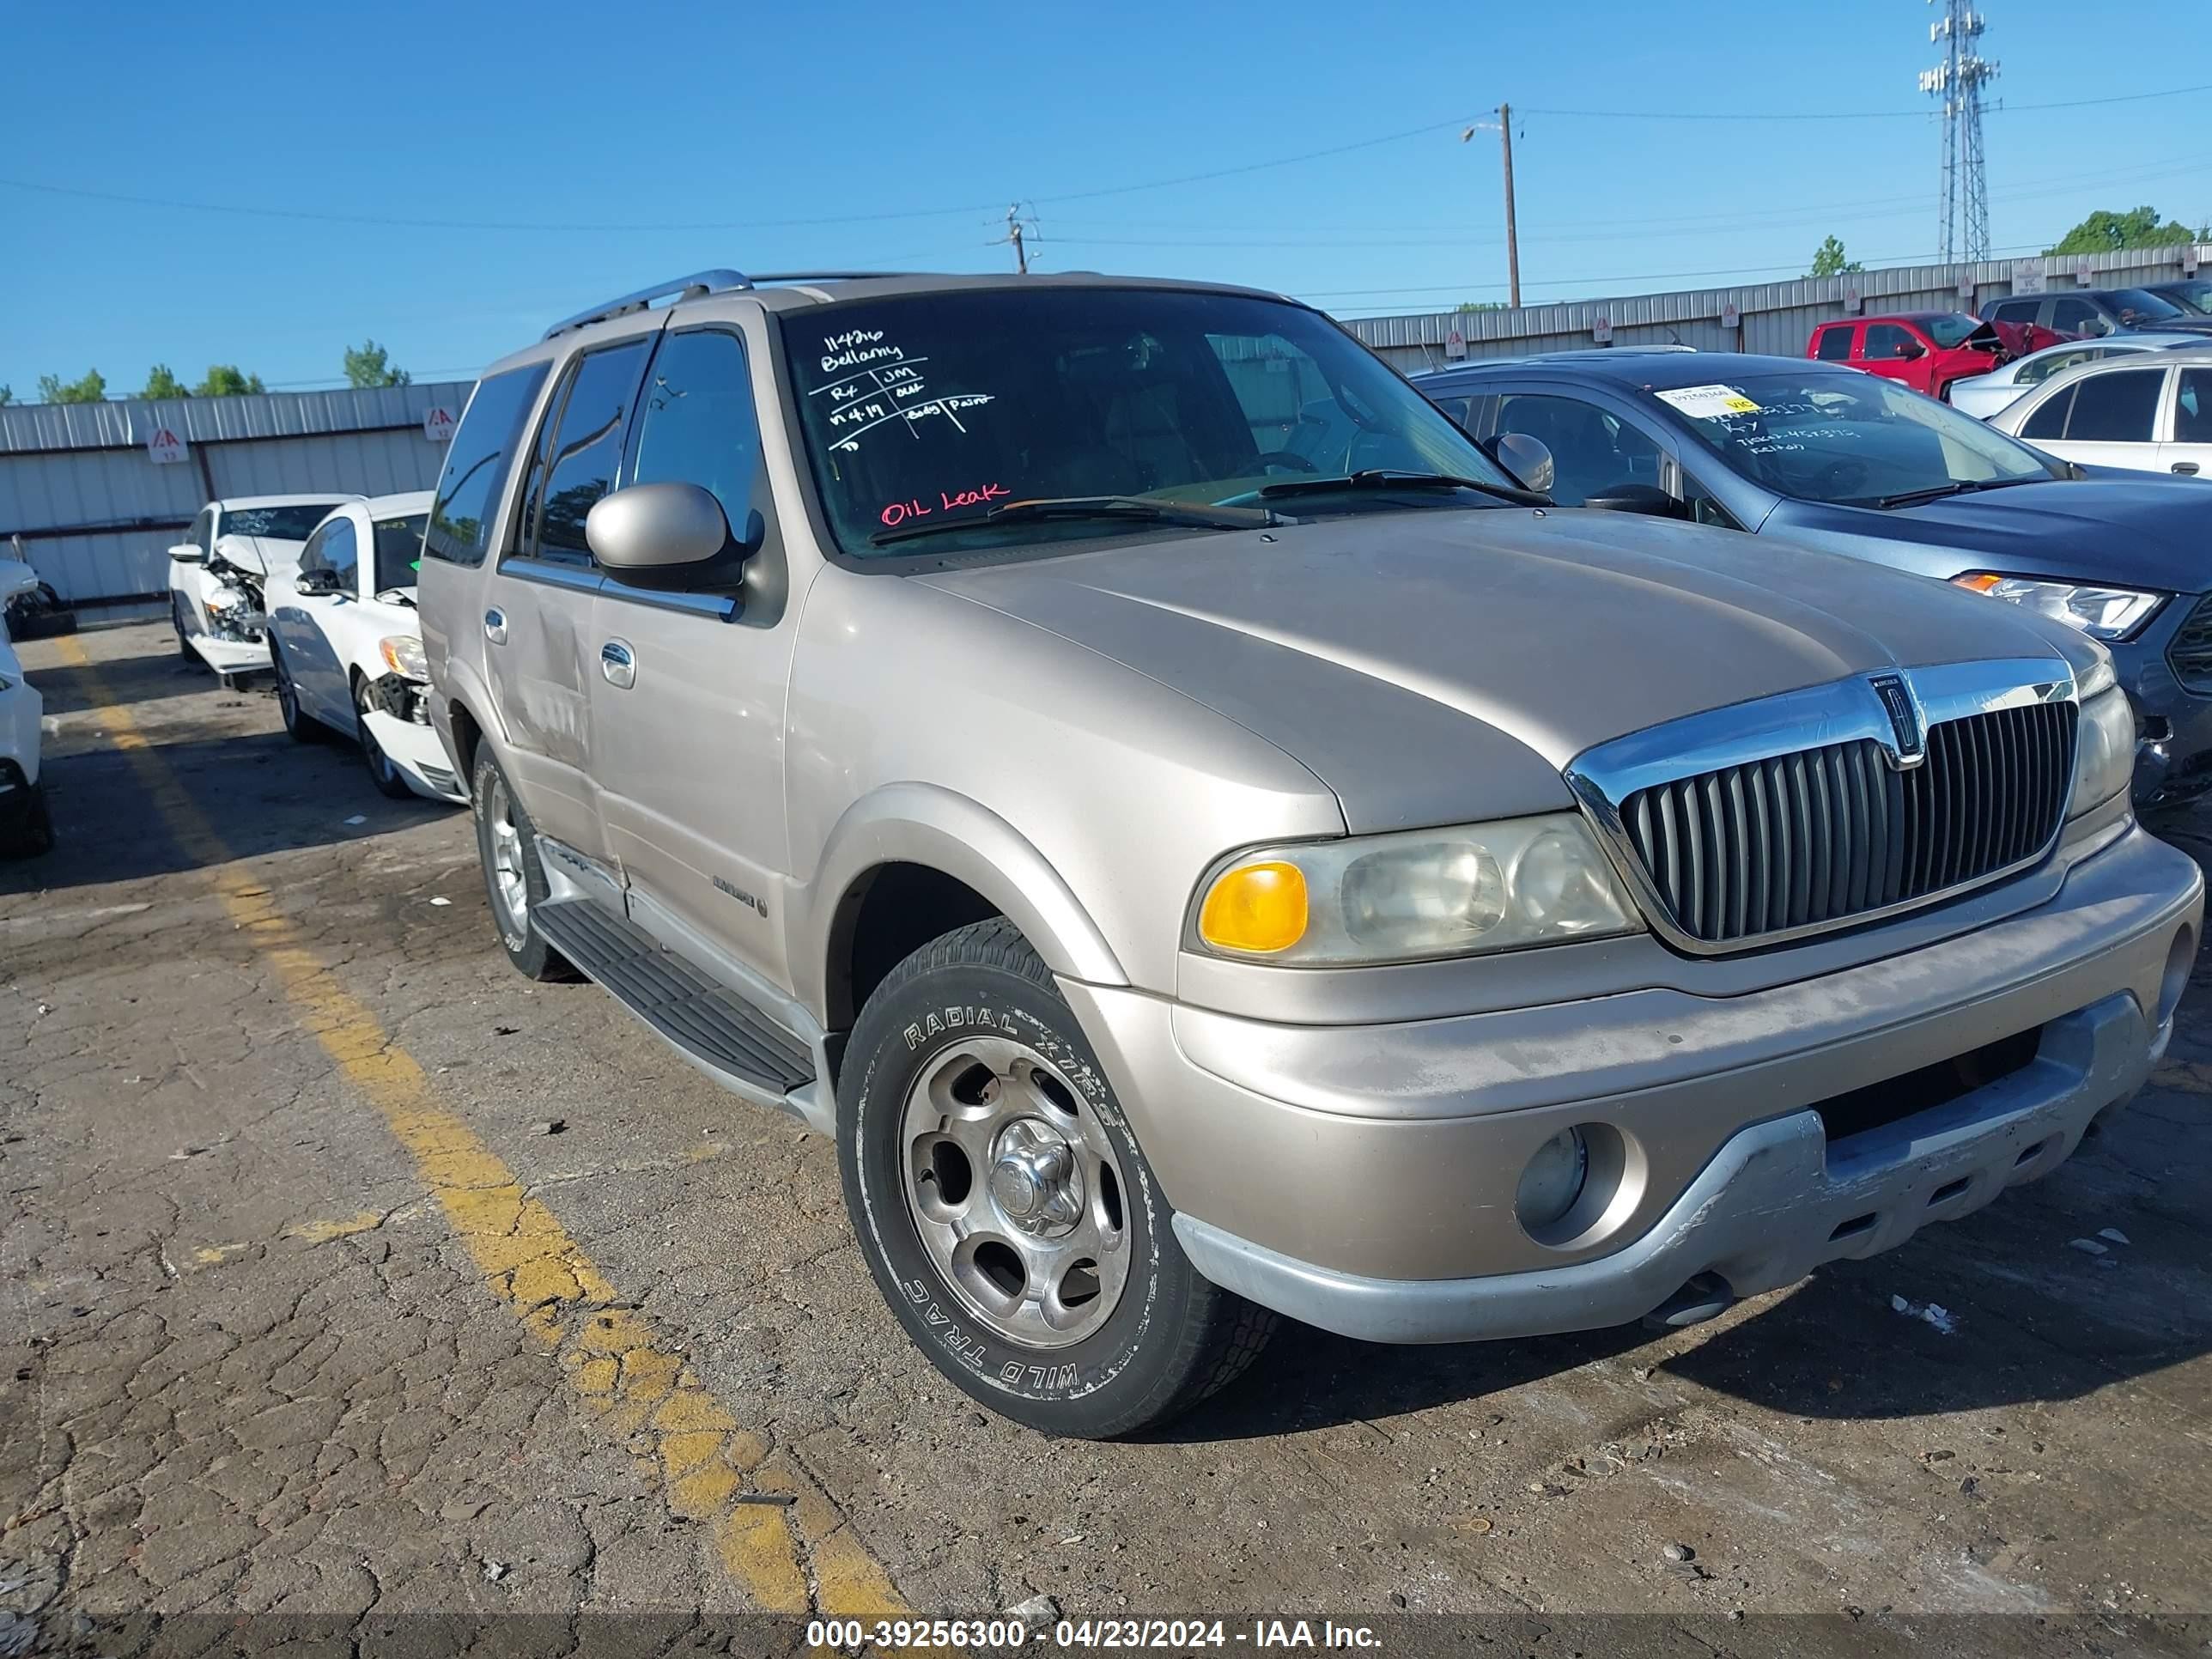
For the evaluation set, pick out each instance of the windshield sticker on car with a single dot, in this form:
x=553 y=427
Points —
x=898 y=513
x=1706 y=403
x=877 y=382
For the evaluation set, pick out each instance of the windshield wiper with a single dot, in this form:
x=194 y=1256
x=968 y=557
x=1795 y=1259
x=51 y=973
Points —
x=1955 y=487
x=1385 y=478
x=1135 y=508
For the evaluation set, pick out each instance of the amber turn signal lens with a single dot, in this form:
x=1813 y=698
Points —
x=1977 y=582
x=1255 y=907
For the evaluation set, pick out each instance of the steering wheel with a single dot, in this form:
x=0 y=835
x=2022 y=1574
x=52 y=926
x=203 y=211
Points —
x=1289 y=458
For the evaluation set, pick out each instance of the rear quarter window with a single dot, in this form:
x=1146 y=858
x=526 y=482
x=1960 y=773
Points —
x=1834 y=343
x=478 y=460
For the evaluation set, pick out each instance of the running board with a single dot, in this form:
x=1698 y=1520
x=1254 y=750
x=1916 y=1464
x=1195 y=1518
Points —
x=711 y=1025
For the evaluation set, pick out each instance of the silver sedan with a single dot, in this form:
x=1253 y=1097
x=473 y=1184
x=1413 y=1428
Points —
x=1992 y=393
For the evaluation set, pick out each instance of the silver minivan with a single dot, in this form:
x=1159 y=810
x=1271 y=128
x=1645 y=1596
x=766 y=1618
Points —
x=1210 y=843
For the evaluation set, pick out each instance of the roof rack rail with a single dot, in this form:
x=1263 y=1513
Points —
x=827 y=276
x=699 y=282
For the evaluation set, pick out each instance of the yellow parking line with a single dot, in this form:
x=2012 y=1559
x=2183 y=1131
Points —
x=715 y=1471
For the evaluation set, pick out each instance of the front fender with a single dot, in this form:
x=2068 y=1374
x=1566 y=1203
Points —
x=922 y=823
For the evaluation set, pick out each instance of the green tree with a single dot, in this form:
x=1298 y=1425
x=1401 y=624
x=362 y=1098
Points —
x=227 y=380
x=368 y=365
x=92 y=389
x=2106 y=232
x=163 y=382
x=1828 y=260
x=7 y=396
x=1481 y=305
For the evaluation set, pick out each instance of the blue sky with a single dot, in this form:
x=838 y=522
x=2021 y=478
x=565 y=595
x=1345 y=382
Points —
x=902 y=132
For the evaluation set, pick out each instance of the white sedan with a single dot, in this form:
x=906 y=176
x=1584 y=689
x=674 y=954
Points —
x=25 y=827
x=217 y=572
x=347 y=644
x=2147 y=413
x=1986 y=396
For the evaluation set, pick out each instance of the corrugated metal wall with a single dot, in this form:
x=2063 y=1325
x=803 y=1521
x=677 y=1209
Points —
x=97 y=514
x=1777 y=317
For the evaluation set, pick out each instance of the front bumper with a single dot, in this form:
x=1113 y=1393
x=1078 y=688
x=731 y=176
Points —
x=232 y=656
x=415 y=749
x=2173 y=757
x=1363 y=1178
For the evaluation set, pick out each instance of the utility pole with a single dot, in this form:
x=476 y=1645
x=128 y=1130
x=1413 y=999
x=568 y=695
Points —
x=1503 y=127
x=1014 y=235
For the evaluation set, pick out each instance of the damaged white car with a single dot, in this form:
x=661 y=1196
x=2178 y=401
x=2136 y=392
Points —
x=347 y=644
x=217 y=572
x=25 y=826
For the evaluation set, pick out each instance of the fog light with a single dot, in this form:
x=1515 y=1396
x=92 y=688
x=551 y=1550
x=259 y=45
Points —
x=1552 y=1181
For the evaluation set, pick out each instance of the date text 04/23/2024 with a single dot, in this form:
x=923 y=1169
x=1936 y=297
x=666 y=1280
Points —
x=1181 y=1635
x=1211 y=1634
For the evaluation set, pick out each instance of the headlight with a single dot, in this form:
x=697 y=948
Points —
x=1405 y=897
x=2104 y=748
x=403 y=655
x=2102 y=613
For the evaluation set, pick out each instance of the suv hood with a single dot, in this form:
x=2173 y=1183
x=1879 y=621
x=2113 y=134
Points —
x=2137 y=530
x=1438 y=665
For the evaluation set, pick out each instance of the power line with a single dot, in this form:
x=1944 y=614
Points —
x=433 y=223
x=1851 y=114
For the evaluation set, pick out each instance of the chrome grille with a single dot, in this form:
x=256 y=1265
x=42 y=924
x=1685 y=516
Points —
x=1819 y=836
x=2190 y=654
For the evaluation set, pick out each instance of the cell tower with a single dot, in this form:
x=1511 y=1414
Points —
x=1958 y=81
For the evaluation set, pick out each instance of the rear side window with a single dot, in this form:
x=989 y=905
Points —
x=478 y=460
x=2119 y=408
x=2049 y=421
x=1835 y=345
x=577 y=464
x=696 y=422
x=2016 y=311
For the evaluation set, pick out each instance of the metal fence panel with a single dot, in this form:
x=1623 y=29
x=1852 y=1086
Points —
x=98 y=515
x=1776 y=317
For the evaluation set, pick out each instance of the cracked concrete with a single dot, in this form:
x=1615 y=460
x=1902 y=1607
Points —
x=251 y=1358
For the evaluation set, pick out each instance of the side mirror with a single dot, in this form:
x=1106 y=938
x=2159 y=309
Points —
x=1527 y=459
x=669 y=537
x=16 y=578
x=1648 y=499
x=316 y=584
x=1911 y=349
x=186 y=553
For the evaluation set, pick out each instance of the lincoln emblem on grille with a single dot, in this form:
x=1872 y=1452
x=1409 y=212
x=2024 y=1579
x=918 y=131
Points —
x=1910 y=747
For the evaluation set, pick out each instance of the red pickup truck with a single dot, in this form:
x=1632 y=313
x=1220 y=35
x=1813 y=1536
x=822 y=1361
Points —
x=1926 y=350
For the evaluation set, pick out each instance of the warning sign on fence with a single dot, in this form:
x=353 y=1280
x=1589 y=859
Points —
x=164 y=447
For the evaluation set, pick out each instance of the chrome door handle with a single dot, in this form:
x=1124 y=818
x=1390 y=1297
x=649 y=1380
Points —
x=495 y=626
x=617 y=663
x=2189 y=467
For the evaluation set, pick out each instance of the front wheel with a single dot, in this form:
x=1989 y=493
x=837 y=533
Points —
x=388 y=779
x=514 y=881
x=35 y=835
x=1007 y=1213
x=300 y=725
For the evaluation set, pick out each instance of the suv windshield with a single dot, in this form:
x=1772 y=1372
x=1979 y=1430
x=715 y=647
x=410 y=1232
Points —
x=282 y=524
x=2135 y=304
x=922 y=409
x=1847 y=439
x=1949 y=332
x=399 y=546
